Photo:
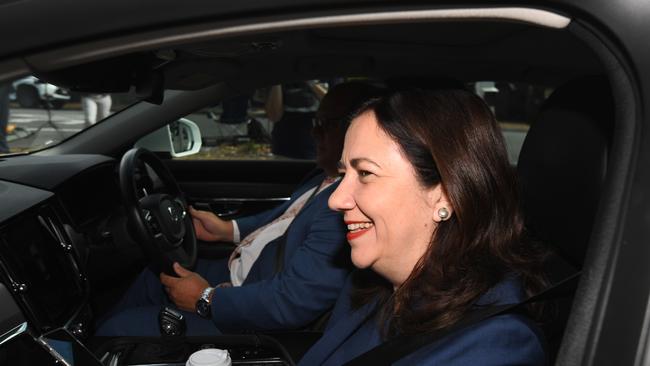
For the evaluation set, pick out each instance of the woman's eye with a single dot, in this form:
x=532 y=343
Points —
x=364 y=173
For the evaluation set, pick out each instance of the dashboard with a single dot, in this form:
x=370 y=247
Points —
x=54 y=209
x=63 y=228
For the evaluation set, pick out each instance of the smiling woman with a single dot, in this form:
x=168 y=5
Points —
x=430 y=205
x=583 y=170
x=377 y=212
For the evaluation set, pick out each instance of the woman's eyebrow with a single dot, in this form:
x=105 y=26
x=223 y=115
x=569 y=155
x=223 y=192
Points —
x=356 y=161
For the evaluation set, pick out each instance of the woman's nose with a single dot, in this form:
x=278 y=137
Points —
x=341 y=199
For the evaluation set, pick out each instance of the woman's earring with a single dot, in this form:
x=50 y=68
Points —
x=443 y=213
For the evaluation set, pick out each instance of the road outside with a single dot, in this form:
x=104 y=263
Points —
x=34 y=129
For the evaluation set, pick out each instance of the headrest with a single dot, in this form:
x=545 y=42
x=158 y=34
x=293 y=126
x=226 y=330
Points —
x=563 y=163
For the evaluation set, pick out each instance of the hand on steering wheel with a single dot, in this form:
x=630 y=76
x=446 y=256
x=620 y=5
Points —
x=209 y=227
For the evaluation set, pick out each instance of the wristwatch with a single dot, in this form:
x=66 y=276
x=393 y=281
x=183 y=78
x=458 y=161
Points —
x=203 y=305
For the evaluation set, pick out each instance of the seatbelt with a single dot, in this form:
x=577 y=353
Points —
x=396 y=348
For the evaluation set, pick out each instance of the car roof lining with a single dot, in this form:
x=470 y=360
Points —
x=167 y=36
x=466 y=50
x=533 y=53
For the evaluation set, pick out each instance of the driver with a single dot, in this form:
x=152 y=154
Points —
x=260 y=287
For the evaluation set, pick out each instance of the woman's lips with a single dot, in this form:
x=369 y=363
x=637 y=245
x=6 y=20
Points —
x=357 y=228
x=356 y=234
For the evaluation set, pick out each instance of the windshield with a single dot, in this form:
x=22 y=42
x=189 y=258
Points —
x=35 y=114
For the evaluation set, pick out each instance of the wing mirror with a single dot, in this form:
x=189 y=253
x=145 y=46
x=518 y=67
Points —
x=179 y=138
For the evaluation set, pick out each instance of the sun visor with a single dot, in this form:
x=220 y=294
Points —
x=146 y=73
x=115 y=75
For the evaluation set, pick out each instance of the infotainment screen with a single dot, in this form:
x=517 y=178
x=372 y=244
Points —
x=33 y=256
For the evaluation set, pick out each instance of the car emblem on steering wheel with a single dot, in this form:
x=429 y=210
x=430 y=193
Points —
x=173 y=213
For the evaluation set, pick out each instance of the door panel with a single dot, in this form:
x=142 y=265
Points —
x=245 y=186
x=236 y=188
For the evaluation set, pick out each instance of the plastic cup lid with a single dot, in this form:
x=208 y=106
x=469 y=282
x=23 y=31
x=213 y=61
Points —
x=209 y=357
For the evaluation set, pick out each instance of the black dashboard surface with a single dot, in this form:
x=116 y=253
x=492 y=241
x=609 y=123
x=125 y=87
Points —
x=17 y=198
x=47 y=172
x=51 y=210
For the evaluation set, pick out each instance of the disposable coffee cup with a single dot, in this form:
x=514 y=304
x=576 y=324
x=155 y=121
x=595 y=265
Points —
x=209 y=357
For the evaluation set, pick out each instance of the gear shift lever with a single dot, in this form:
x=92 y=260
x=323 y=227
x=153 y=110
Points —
x=172 y=322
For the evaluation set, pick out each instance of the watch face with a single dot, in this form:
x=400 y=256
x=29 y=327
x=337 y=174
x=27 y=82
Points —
x=203 y=308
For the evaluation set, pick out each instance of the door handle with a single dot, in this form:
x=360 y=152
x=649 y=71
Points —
x=230 y=212
x=221 y=209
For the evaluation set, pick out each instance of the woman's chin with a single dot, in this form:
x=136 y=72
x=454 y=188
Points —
x=359 y=261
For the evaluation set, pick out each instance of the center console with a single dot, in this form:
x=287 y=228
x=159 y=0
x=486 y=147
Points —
x=244 y=350
x=61 y=347
x=253 y=349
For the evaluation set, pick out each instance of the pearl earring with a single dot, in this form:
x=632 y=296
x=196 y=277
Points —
x=443 y=213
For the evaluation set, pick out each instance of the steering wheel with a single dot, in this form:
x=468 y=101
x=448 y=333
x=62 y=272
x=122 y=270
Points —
x=156 y=211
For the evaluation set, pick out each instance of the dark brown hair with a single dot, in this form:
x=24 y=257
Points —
x=451 y=138
x=333 y=119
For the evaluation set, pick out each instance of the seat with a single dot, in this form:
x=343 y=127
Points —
x=563 y=163
x=562 y=168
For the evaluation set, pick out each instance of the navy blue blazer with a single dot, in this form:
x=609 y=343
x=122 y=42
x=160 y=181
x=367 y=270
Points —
x=508 y=339
x=316 y=264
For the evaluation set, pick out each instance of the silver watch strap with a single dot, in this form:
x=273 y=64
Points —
x=206 y=295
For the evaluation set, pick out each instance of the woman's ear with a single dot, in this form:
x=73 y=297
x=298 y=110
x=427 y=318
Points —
x=442 y=209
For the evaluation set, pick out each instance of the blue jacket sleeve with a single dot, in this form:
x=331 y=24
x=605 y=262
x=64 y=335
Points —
x=503 y=340
x=307 y=287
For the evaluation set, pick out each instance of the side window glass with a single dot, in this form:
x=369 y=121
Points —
x=515 y=106
x=266 y=124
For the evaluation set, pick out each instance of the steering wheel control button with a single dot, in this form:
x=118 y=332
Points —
x=151 y=221
x=19 y=288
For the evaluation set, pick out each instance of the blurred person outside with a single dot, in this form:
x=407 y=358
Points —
x=96 y=107
x=292 y=107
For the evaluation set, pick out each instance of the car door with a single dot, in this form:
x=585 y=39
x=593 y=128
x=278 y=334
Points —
x=235 y=173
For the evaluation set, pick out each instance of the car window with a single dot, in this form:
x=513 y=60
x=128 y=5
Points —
x=257 y=126
x=240 y=128
x=35 y=114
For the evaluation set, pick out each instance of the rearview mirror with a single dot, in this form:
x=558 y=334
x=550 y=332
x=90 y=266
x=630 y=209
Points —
x=179 y=138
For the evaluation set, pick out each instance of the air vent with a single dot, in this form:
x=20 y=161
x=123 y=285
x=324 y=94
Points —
x=50 y=222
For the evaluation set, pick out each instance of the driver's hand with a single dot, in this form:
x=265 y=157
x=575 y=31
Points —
x=184 y=290
x=209 y=227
